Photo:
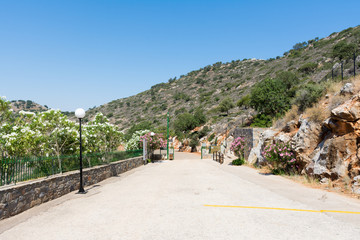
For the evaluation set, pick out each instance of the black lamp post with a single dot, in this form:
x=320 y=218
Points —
x=80 y=113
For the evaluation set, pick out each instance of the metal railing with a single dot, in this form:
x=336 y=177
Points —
x=218 y=157
x=18 y=169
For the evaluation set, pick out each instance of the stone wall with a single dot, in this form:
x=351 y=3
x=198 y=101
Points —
x=18 y=198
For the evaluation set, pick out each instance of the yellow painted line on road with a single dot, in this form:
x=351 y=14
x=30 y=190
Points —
x=283 y=209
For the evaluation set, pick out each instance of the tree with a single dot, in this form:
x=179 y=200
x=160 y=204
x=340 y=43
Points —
x=199 y=116
x=134 y=142
x=244 y=102
x=288 y=78
x=270 y=97
x=101 y=136
x=5 y=111
x=343 y=51
x=59 y=134
x=185 y=122
x=308 y=95
x=225 y=105
x=309 y=67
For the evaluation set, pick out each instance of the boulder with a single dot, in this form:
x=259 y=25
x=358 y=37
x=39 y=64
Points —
x=348 y=88
x=349 y=111
x=340 y=127
x=356 y=185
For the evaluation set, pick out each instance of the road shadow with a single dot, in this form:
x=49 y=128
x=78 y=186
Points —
x=266 y=174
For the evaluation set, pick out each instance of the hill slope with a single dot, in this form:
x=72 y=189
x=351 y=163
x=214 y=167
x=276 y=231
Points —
x=207 y=87
x=28 y=105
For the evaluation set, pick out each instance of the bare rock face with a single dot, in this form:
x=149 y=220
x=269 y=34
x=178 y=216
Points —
x=349 y=111
x=306 y=140
x=255 y=153
x=290 y=126
x=333 y=155
x=340 y=127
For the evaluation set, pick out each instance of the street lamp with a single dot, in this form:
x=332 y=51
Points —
x=80 y=114
x=167 y=137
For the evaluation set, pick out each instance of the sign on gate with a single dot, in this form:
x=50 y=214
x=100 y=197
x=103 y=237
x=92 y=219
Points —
x=215 y=149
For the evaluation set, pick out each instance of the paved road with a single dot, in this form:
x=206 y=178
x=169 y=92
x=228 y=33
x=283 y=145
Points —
x=166 y=201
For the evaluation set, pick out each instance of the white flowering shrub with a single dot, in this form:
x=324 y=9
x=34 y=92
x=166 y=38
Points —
x=51 y=133
x=101 y=136
x=135 y=142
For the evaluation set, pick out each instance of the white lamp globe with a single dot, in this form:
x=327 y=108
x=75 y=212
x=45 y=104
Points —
x=80 y=113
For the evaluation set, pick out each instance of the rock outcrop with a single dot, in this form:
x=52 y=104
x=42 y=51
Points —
x=328 y=150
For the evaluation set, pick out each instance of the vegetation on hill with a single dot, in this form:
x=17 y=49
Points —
x=270 y=87
x=28 y=105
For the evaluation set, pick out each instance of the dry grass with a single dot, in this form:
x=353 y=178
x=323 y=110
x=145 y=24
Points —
x=337 y=101
x=341 y=186
x=292 y=114
x=317 y=113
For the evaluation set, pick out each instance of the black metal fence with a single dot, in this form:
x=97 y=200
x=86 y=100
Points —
x=13 y=169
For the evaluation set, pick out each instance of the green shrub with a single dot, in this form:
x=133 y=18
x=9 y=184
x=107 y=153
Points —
x=244 y=101
x=308 y=95
x=199 y=116
x=211 y=137
x=308 y=68
x=238 y=162
x=225 y=105
x=203 y=132
x=342 y=50
x=185 y=122
x=270 y=97
x=262 y=120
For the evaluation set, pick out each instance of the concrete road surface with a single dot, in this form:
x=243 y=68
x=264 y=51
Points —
x=167 y=200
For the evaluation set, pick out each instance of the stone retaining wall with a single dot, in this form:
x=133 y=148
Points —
x=18 y=198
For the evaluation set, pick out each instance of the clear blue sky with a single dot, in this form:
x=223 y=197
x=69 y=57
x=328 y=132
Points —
x=84 y=53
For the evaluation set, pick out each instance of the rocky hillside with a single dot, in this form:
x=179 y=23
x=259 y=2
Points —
x=28 y=105
x=310 y=61
x=325 y=139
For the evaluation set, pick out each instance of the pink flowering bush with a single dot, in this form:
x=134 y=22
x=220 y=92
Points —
x=153 y=142
x=238 y=147
x=281 y=157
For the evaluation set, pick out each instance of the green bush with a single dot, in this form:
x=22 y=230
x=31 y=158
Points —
x=270 y=97
x=203 y=132
x=308 y=95
x=262 y=120
x=199 y=116
x=180 y=95
x=342 y=50
x=308 y=68
x=211 y=137
x=244 y=101
x=185 y=122
x=238 y=162
x=288 y=78
x=225 y=105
